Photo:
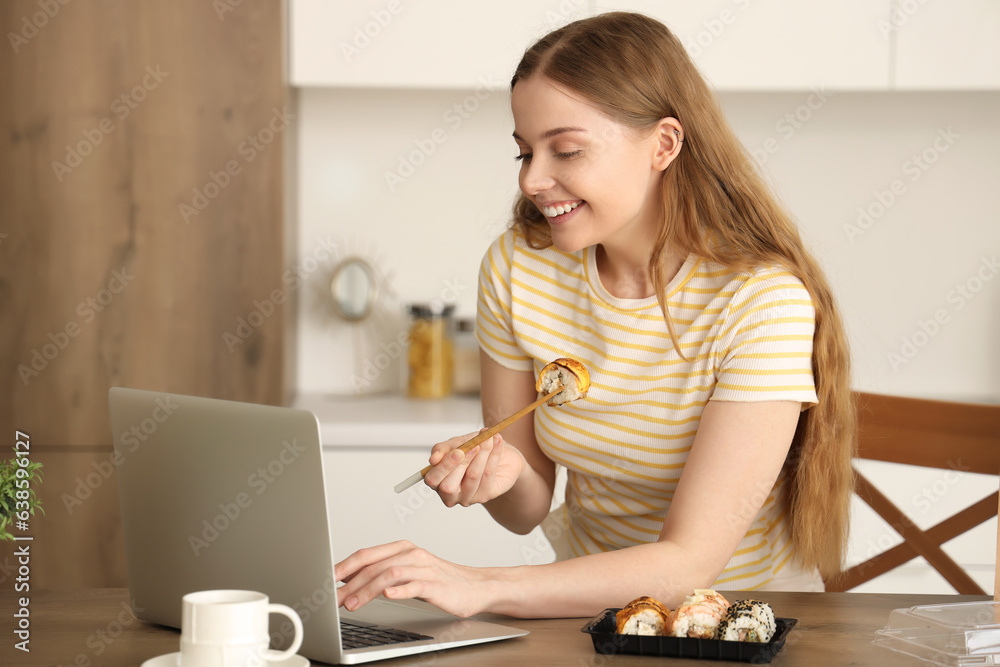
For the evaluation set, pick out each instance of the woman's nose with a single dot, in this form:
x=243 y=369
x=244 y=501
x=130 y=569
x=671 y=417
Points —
x=536 y=176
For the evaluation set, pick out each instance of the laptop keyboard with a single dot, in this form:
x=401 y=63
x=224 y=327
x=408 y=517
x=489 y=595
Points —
x=361 y=636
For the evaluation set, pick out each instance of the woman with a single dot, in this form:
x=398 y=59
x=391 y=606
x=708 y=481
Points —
x=645 y=245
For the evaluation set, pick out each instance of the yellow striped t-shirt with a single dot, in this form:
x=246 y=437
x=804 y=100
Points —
x=747 y=337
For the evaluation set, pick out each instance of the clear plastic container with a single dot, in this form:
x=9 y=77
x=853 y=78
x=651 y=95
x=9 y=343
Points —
x=961 y=634
x=431 y=354
x=467 y=377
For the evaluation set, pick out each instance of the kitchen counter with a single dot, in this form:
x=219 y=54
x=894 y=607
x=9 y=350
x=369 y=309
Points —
x=391 y=420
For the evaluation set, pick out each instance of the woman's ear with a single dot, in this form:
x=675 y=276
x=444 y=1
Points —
x=669 y=137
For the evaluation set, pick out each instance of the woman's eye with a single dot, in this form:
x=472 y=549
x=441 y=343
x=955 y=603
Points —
x=561 y=155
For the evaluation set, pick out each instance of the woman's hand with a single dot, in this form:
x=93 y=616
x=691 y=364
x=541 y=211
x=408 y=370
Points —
x=486 y=472
x=400 y=570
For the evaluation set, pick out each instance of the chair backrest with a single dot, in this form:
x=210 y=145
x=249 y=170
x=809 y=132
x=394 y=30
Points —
x=934 y=434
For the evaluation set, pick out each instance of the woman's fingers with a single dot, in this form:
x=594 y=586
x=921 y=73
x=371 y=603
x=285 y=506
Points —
x=399 y=564
x=441 y=449
x=475 y=472
x=395 y=581
x=450 y=486
x=350 y=566
x=470 y=478
x=493 y=462
x=445 y=458
x=406 y=571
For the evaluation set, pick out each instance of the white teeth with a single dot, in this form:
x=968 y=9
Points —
x=553 y=211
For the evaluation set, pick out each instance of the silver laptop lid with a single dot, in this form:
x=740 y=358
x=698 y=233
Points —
x=212 y=496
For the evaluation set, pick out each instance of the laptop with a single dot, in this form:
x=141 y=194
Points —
x=221 y=495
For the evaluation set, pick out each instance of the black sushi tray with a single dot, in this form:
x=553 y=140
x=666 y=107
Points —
x=602 y=627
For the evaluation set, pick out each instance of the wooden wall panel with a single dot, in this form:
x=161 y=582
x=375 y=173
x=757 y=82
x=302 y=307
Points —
x=162 y=105
x=78 y=541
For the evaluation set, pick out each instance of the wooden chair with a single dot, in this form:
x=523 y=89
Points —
x=935 y=434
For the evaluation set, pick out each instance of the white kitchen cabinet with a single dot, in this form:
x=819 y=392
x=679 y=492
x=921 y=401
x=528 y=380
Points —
x=408 y=44
x=780 y=44
x=372 y=443
x=737 y=44
x=365 y=511
x=947 y=45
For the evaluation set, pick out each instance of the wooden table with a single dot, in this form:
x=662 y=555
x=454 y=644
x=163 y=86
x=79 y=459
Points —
x=93 y=628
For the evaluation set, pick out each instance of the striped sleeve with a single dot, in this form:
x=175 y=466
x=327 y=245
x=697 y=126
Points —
x=765 y=352
x=494 y=328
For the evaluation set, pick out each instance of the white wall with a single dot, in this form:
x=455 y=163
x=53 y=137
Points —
x=898 y=273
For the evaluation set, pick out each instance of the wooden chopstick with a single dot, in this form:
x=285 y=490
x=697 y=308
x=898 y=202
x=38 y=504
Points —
x=479 y=439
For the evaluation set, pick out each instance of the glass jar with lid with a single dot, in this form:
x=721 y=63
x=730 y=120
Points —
x=431 y=354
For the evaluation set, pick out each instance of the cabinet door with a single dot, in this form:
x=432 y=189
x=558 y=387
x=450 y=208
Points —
x=142 y=223
x=778 y=45
x=951 y=45
x=395 y=43
x=364 y=512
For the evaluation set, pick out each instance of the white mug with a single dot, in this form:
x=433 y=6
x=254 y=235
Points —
x=229 y=628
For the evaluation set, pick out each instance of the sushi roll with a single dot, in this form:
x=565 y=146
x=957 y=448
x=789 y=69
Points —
x=568 y=373
x=643 y=616
x=748 y=621
x=699 y=615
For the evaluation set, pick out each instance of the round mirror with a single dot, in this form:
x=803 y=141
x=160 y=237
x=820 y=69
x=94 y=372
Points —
x=354 y=288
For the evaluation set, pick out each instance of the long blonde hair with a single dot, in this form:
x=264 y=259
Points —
x=716 y=205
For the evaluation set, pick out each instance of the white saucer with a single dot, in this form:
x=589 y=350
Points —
x=174 y=660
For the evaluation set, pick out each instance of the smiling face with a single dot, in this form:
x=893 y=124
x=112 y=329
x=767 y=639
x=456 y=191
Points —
x=595 y=180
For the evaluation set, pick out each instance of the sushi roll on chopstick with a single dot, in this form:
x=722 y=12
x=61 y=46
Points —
x=567 y=373
x=748 y=621
x=643 y=616
x=699 y=615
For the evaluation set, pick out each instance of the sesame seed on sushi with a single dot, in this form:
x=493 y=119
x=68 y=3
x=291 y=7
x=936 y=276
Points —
x=748 y=621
